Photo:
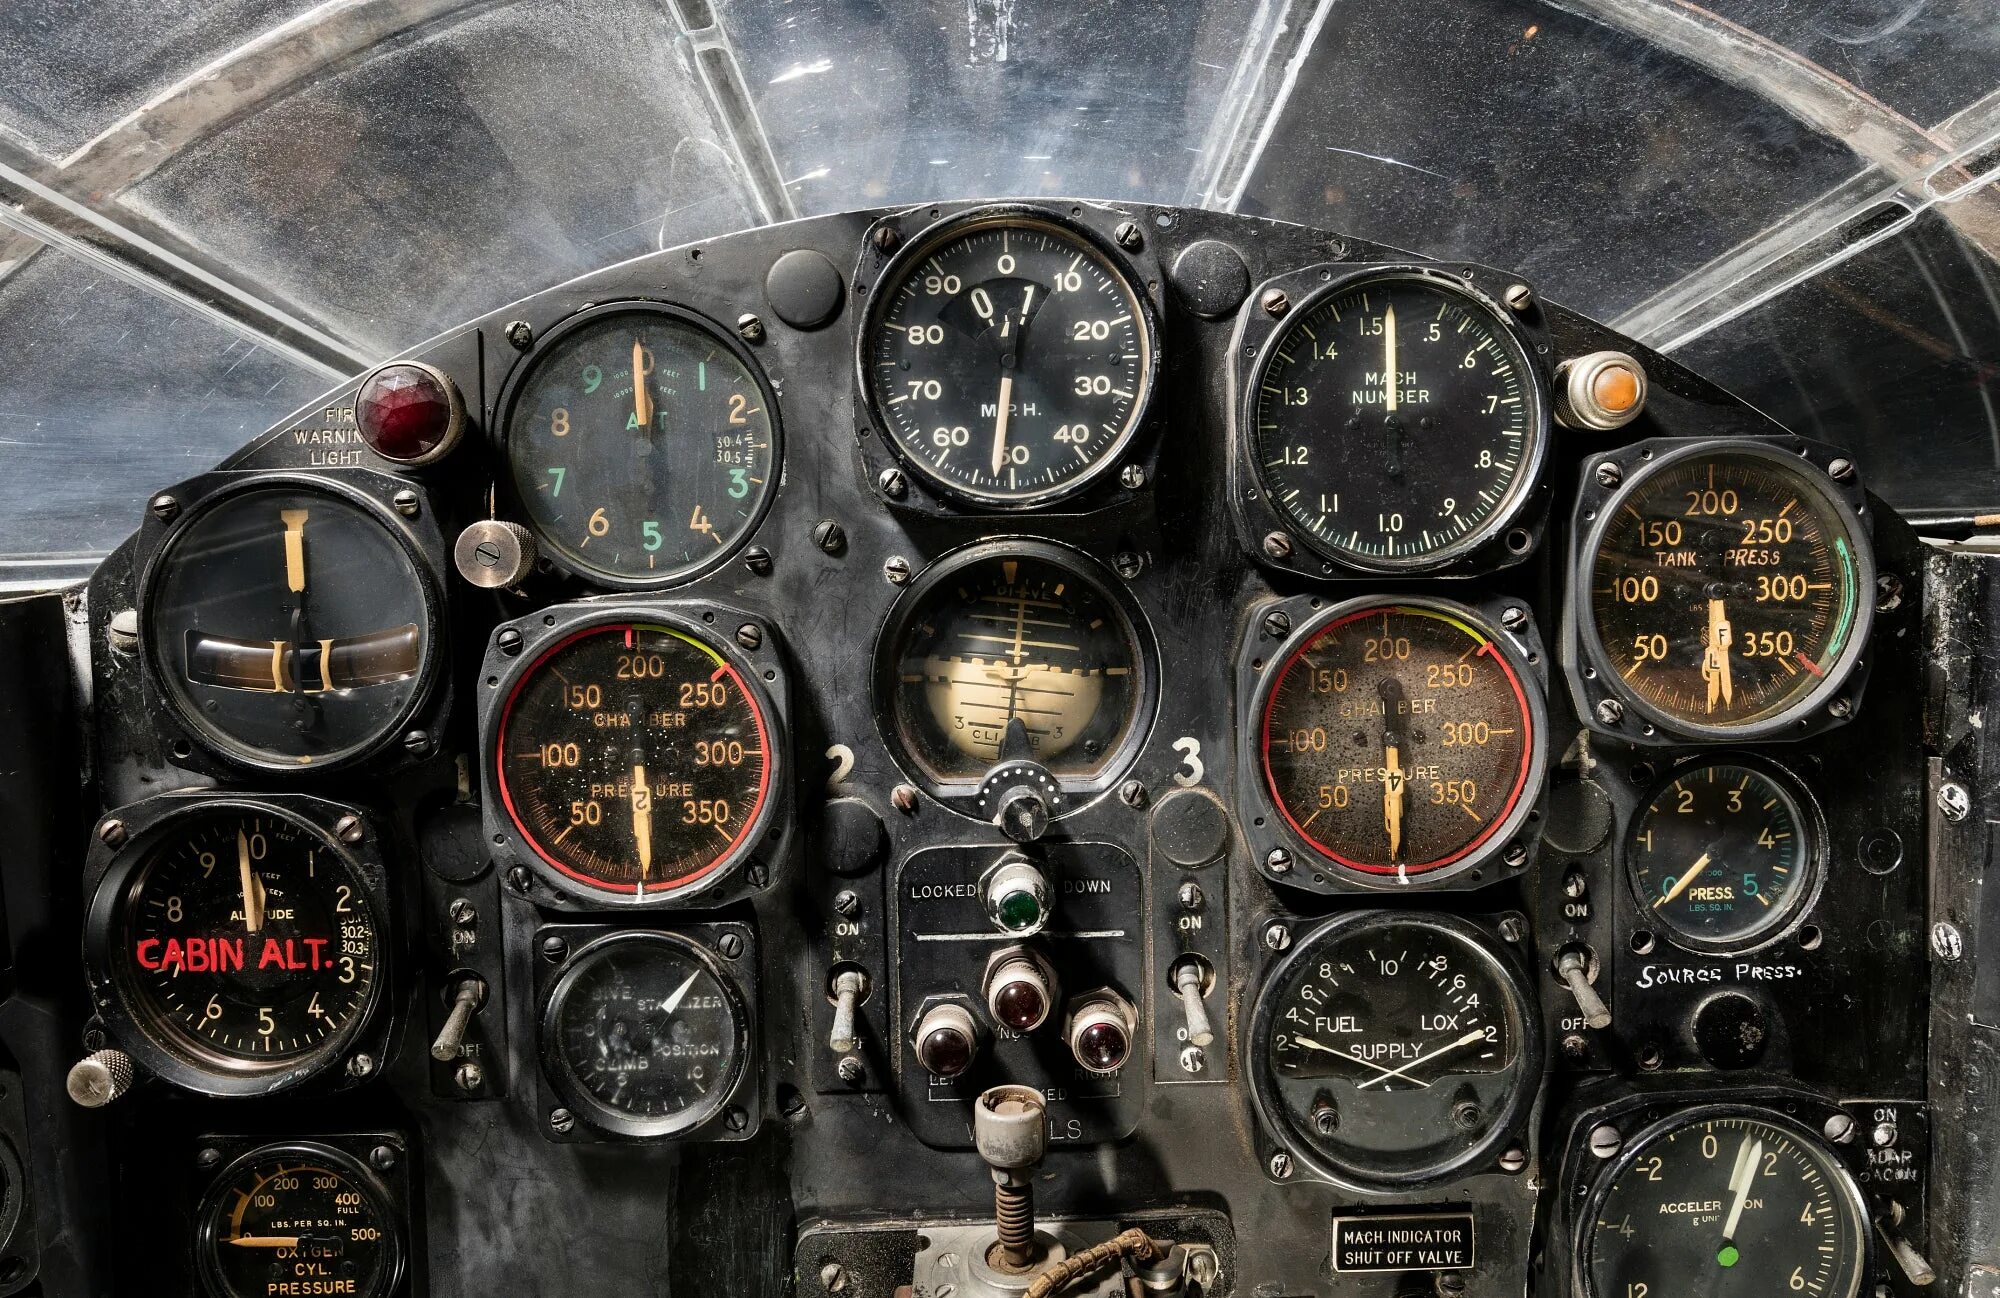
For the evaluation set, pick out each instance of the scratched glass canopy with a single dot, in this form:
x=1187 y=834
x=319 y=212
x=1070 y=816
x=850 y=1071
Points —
x=211 y=211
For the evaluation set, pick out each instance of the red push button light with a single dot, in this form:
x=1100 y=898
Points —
x=409 y=412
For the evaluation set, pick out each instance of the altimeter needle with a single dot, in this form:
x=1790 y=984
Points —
x=253 y=891
x=1000 y=422
x=642 y=400
x=1680 y=884
x=1477 y=1034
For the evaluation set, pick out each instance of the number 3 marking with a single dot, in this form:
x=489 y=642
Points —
x=1191 y=768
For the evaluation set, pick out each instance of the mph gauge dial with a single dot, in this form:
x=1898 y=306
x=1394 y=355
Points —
x=1009 y=359
x=1397 y=1048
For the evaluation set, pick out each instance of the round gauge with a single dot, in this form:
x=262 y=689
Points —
x=1012 y=650
x=644 y=1034
x=241 y=940
x=1401 y=740
x=1726 y=1203
x=296 y=1219
x=1009 y=359
x=1730 y=590
x=643 y=447
x=289 y=624
x=635 y=759
x=1724 y=856
x=1393 y=1049
x=1398 y=422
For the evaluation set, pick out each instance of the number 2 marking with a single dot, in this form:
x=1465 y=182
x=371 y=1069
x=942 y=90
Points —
x=843 y=763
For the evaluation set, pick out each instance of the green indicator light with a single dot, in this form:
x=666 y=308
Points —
x=1728 y=1256
x=1019 y=910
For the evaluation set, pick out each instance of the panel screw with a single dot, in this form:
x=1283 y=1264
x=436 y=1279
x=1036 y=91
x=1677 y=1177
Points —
x=1574 y=1046
x=381 y=1158
x=893 y=484
x=1281 y=1165
x=406 y=503
x=829 y=536
x=469 y=1077
x=349 y=829
x=749 y=328
x=518 y=879
x=1127 y=564
x=846 y=902
x=1841 y=708
x=887 y=238
x=757 y=875
x=112 y=833
x=850 y=1070
x=1884 y=1135
x=1277 y=937
x=1513 y=617
x=508 y=641
x=208 y=1158
x=735 y=1118
x=1277 y=625
x=1465 y=1115
x=1190 y=896
x=462 y=912
x=1512 y=929
x=1606 y=1141
x=1519 y=297
x=561 y=1120
x=1515 y=856
x=164 y=508
x=554 y=948
x=1279 y=861
x=1133 y=476
x=1839 y=1129
x=1130 y=237
x=1953 y=802
x=1610 y=711
x=1277 y=545
x=1193 y=1059
x=896 y=570
x=361 y=1066
x=904 y=798
x=1888 y=592
x=1841 y=470
x=1132 y=793
x=122 y=631
x=833 y=1276
x=1609 y=474
x=1513 y=1159
x=521 y=334
x=1275 y=303
x=758 y=560
x=750 y=636
x=731 y=945
x=417 y=741
x=1325 y=1118
x=1947 y=941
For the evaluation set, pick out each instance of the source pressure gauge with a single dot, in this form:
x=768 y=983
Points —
x=1008 y=357
x=1396 y=421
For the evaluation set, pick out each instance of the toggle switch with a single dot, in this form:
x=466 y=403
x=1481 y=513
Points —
x=468 y=994
x=1099 y=1031
x=1191 y=977
x=850 y=988
x=1574 y=967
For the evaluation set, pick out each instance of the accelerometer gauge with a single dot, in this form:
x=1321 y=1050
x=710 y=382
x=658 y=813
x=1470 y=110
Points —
x=644 y=1034
x=1016 y=650
x=241 y=942
x=1397 y=422
x=1726 y=1203
x=1730 y=591
x=1394 y=1049
x=1009 y=358
x=1400 y=740
x=642 y=445
x=1725 y=855
x=635 y=759
x=298 y=1218
x=289 y=624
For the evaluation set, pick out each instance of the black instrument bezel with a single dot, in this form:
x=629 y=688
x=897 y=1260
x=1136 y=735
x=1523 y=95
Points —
x=390 y=1202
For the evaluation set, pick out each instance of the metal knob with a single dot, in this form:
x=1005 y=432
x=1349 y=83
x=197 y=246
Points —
x=466 y=998
x=1023 y=814
x=849 y=986
x=100 y=1077
x=1010 y=1131
x=1190 y=977
x=492 y=555
x=1573 y=967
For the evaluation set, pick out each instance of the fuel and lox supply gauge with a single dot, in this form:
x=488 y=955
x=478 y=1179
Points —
x=299 y=1218
x=1398 y=743
x=1392 y=1050
x=1726 y=588
x=237 y=946
x=634 y=757
x=1725 y=1202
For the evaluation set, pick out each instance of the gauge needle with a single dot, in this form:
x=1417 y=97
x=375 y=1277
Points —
x=1392 y=796
x=642 y=819
x=1477 y=1034
x=1680 y=884
x=1000 y=422
x=642 y=401
x=295 y=549
x=1715 y=655
x=1311 y=1044
x=1389 y=356
x=1747 y=1156
x=265 y=1241
x=673 y=1002
x=253 y=891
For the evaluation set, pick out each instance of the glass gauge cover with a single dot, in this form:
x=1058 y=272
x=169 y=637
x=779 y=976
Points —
x=241 y=940
x=1009 y=359
x=290 y=625
x=1014 y=650
x=1730 y=590
x=1396 y=422
x=636 y=761
x=644 y=1034
x=296 y=1219
x=642 y=446
x=1728 y=1204
x=1724 y=855
x=1397 y=1049
x=1401 y=740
